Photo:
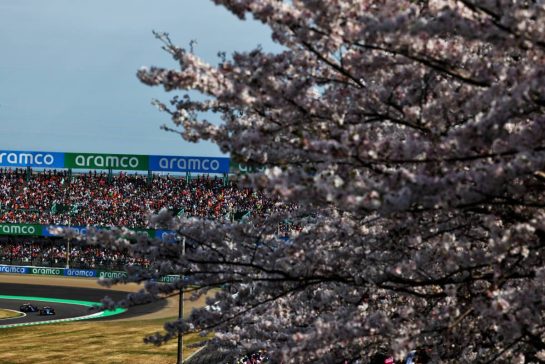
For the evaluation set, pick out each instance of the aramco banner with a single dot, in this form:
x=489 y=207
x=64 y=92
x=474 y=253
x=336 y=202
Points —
x=69 y=272
x=21 y=229
x=31 y=159
x=55 y=230
x=122 y=162
x=106 y=161
x=188 y=164
x=243 y=169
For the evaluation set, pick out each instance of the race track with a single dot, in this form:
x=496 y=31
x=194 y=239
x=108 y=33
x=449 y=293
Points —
x=64 y=310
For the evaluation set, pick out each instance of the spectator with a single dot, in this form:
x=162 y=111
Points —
x=53 y=254
x=54 y=197
x=123 y=200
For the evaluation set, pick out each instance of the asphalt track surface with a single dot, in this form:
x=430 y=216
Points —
x=66 y=310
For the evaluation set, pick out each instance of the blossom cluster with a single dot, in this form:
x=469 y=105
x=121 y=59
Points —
x=410 y=136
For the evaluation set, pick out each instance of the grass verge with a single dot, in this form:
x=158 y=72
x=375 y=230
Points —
x=7 y=314
x=89 y=342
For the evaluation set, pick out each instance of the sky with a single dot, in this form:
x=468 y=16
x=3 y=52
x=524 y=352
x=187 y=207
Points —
x=68 y=71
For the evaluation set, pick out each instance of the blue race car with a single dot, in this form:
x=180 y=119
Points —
x=47 y=311
x=28 y=307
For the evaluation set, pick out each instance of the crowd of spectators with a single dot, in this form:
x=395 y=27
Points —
x=58 y=197
x=53 y=254
x=118 y=200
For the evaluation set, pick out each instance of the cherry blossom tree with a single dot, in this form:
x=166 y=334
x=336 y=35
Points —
x=404 y=142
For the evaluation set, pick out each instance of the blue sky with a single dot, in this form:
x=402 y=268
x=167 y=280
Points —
x=67 y=71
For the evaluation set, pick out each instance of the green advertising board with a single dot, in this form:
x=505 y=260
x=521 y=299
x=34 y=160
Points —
x=21 y=229
x=149 y=232
x=46 y=271
x=132 y=162
x=169 y=279
x=105 y=274
x=111 y=274
x=241 y=168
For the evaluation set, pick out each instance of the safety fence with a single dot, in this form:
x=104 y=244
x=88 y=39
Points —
x=57 y=231
x=69 y=272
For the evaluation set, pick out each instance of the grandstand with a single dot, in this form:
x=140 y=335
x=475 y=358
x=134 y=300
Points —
x=42 y=191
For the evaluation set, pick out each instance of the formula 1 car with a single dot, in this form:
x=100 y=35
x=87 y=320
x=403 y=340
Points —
x=47 y=311
x=27 y=307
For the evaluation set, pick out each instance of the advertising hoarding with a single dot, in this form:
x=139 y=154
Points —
x=188 y=164
x=16 y=159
